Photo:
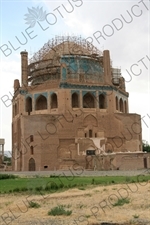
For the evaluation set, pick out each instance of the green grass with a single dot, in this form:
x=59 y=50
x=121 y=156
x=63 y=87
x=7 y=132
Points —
x=59 y=210
x=37 y=185
x=121 y=202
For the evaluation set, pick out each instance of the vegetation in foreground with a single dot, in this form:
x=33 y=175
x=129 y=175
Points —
x=121 y=202
x=59 y=210
x=34 y=205
x=38 y=185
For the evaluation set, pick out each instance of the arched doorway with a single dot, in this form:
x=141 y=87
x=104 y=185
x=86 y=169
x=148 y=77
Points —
x=31 y=164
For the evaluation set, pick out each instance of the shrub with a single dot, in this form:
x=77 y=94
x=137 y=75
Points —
x=58 y=211
x=53 y=176
x=81 y=188
x=16 y=190
x=93 y=181
x=48 y=188
x=128 y=179
x=87 y=216
x=54 y=186
x=61 y=185
x=30 y=189
x=136 y=216
x=121 y=202
x=24 y=189
x=40 y=188
x=7 y=176
x=34 y=205
x=69 y=185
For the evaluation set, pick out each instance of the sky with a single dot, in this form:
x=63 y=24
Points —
x=122 y=27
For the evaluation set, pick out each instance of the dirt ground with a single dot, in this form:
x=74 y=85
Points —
x=90 y=206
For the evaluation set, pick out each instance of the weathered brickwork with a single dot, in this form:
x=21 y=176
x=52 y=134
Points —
x=71 y=109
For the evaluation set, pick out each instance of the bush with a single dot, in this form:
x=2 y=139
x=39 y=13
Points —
x=146 y=147
x=121 y=202
x=48 y=188
x=128 y=179
x=30 y=189
x=40 y=188
x=61 y=185
x=34 y=205
x=7 y=176
x=16 y=190
x=53 y=176
x=54 y=186
x=24 y=189
x=136 y=216
x=93 y=181
x=58 y=211
x=69 y=185
x=81 y=188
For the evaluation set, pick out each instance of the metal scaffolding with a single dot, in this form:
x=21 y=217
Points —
x=51 y=44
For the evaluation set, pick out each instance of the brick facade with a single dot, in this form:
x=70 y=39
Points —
x=71 y=103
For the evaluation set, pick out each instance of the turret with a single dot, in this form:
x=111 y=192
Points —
x=107 y=69
x=24 y=69
x=16 y=85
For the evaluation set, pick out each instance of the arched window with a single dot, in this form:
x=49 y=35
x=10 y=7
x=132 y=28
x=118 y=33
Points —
x=32 y=150
x=90 y=133
x=31 y=164
x=117 y=103
x=41 y=103
x=28 y=105
x=121 y=105
x=88 y=101
x=75 y=100
x=102 y=101
x=125 y=106
x=31 y=138
x=54 y=102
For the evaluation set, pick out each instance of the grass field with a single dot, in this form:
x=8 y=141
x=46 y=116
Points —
x=59 y=183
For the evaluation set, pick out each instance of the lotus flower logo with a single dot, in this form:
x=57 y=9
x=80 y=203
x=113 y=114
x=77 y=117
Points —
x=35 y=15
